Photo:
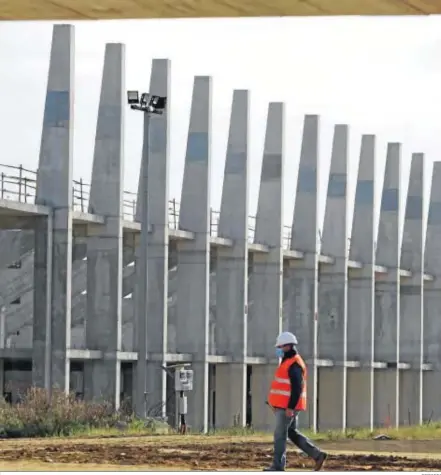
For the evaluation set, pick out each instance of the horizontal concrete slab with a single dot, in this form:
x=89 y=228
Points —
x=19 y=209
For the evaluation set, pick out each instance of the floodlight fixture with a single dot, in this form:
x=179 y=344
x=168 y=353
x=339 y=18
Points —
x=146 y=103
x=158 y=102
x=144 y=99
x=133 y=97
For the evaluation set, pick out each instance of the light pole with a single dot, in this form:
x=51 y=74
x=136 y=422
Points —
x=148 y=104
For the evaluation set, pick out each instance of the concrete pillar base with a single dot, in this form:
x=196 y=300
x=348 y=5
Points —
x=385 y=398
x=330 y=398
x=410 y=398
x=262 y=416
x=432 y=396
x=359 y=398
x=102 y=381
x=231 y=386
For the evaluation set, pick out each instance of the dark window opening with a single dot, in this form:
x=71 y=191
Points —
x=18 y=365
x=76 y=366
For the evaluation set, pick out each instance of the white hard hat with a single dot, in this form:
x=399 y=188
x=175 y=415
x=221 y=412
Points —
x=286 y=338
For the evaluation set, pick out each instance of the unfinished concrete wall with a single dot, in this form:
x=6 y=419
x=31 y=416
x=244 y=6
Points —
x=202 y=287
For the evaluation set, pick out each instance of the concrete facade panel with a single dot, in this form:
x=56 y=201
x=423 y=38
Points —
x=331 y=414
x=359 y=399
x=385 y=398
x=410 y=398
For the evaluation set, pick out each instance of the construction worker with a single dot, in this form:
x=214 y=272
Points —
x=287 y=397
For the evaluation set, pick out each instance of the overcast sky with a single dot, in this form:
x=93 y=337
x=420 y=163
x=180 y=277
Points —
x=379 y=75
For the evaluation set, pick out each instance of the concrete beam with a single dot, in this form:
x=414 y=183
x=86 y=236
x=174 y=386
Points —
x=300 y=285
x=361 y=292
x=53 y=235
x=333 y=290
x=102 y=379
x=265 y=286
x=411 y=298
x=193 y=272
x=232 y=271
x=387 y=295
x=432 y=302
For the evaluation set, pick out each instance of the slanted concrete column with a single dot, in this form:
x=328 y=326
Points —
x=157 y=278
x=333 y=291
x=387 y=296
x=53 y=273
x=193 y=272
x=411 y=299
x=361 y=291
x=232 y=272
x=265 y=300
x=432 y=304
x=301 y=277
x=102 y=378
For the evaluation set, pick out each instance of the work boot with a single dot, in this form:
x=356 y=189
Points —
x=320 y=461
x=273 y=469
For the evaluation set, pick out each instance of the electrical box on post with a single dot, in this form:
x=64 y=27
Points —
x=183 y=379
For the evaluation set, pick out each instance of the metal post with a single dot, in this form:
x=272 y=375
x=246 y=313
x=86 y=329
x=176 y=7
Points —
x=2 y=346
x=82 y=196
x=48 y=321
x=20 y=179
x=142 y=294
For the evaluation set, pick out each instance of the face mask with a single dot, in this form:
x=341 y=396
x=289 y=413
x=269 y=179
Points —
x=279 y=353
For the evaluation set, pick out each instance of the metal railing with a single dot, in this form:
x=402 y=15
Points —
x=17 y=183
x=20 y=184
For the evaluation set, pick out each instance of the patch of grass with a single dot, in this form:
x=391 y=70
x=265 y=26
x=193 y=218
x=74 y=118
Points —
x=429 y=431
x=422 y=432
x=41 y=415
x=61 y=415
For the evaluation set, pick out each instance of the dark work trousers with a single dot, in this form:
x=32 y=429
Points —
x=286 y=427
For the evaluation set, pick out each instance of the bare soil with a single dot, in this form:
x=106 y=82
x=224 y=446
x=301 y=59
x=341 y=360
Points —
x=211 y=453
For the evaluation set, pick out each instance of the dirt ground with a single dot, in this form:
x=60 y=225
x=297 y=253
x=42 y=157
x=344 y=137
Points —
x=209 y=453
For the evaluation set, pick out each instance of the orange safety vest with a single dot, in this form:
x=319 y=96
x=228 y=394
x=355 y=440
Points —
x=280 y=391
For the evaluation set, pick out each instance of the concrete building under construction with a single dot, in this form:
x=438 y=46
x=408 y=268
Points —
x=221 y=285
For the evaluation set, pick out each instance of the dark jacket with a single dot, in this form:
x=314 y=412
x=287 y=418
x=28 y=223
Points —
x=296 y=377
